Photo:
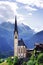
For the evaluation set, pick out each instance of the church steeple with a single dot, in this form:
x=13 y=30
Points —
x=16 y=29
x=16 y=39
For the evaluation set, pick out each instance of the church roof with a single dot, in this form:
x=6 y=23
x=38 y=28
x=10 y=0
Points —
x=21 y=43
x=16 y=28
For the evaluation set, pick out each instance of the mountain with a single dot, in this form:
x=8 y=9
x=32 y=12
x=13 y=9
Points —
x=36 y=38
x=7 y=35
x=24 y=31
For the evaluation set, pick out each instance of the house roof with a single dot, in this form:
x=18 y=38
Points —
x=39 y=47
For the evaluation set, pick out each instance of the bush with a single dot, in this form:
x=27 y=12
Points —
x=15 y=62
x=9 y=60
x=30 y=62
x=32 y=58
x=24 y=63
x=1 y=60
x=40 y=58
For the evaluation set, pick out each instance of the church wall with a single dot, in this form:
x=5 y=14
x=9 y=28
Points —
x=21 y=51
x=15 y=44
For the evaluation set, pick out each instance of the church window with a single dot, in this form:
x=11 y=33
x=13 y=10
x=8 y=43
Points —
x=24 y=50
x=18 y=50
x=21 y=50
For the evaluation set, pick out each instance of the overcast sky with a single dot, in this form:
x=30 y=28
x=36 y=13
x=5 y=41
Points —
x=29 y=12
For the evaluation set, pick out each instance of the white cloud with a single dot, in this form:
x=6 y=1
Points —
x=8 y=10
x=1 y=15
x=13 y=5
x=30 y=14
x=37 y=3
x=30 y=8
x=11 y=20
x=20 y=19
x=37 y=29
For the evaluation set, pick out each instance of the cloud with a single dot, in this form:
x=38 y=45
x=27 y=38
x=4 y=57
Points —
x=1 y=16
x=23 y=9
x=30 y=14
x=37 y=3
x=13 y=5
x=8 y=10
x=20 y=18
x=30 y=8
x=9 y=0
x=38 y=29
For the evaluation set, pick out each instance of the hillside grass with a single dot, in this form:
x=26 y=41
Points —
x=4 y=63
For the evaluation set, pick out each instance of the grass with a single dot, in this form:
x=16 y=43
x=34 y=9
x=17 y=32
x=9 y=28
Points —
x=4 y=63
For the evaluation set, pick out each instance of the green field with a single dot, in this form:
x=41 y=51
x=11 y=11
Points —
x=4 y=63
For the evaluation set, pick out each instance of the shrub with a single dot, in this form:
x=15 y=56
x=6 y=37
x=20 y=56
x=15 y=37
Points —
x=24 y=63
x=30 y=62
x=15 y=62
x=40 y=58
x=32 y=58
x=1 y=60
x=9 y=60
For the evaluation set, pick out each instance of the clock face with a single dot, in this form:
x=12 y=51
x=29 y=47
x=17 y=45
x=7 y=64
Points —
x=16 y=37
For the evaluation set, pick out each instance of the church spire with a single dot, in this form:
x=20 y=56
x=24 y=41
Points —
x=16 y=29
x=15 y=39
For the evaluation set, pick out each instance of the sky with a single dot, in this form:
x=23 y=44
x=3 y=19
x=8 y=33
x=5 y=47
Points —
x=29 y=12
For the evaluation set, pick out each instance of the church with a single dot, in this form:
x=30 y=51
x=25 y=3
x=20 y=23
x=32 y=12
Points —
x=20 y=49
x=19 y=46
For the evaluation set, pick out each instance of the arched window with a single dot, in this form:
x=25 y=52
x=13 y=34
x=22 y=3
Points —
x=18 y=50
x=21 y=50
x=24 y=49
